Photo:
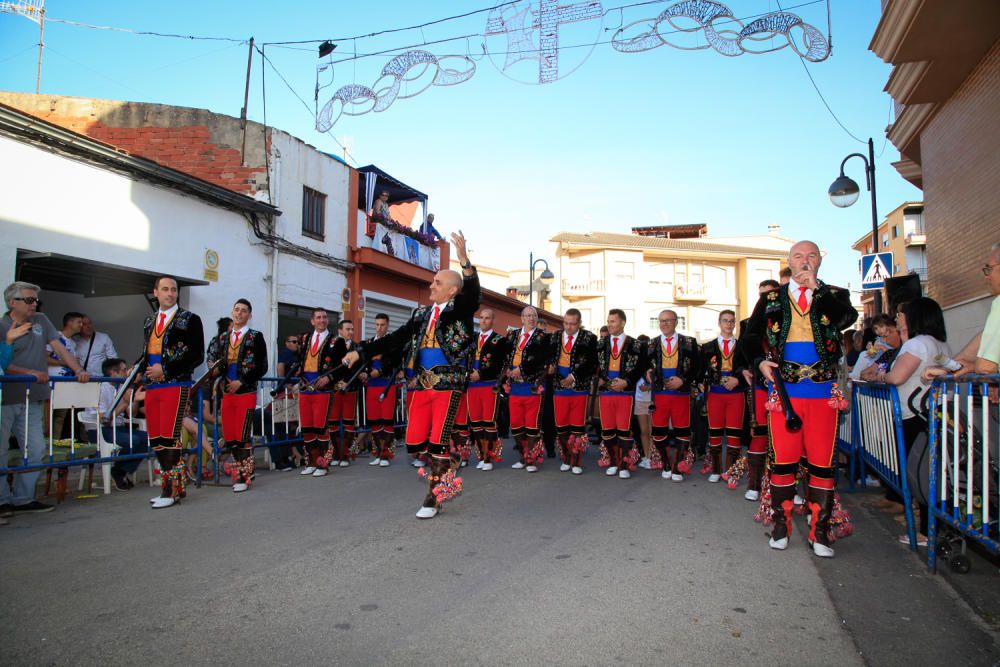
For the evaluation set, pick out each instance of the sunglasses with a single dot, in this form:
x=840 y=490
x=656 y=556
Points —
x=30 y=300
x=988 y=269
x=292 y=340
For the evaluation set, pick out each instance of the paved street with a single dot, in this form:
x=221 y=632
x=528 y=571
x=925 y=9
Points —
x=521 y=569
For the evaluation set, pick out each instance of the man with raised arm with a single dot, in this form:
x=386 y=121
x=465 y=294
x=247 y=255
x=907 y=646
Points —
x=442 y=342
x=794 y=334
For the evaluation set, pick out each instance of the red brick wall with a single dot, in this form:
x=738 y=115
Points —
x=175 y=137
x=960 y=150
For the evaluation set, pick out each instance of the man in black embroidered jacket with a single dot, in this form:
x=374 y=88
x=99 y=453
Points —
x=620 y=365
x=442 y=341
x=174 y=345
x=487 y=364
x=527 y=364
x=574 y=355
x=245 y=363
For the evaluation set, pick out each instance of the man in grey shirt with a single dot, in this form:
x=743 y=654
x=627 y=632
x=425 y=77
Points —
x=17 y=416
x=93 y=348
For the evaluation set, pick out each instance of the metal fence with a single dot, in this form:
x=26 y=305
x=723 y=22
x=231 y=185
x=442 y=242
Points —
x=964 y=475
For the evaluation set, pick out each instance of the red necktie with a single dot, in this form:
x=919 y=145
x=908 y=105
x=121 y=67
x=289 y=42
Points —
x=482 y=340
x=614 y=346
x=524 y=341
x=725 y=348
x=315 y=347
x=569 y=344
x=803 y=302
x=159 y=325
x=434 y=319
x=236 y=338
x=670 y=345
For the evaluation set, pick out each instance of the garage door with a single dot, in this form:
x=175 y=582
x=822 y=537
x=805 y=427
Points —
x=397 y=315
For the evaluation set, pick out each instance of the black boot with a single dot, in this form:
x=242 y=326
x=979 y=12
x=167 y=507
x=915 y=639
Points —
x=820 y=511
x=782 y=505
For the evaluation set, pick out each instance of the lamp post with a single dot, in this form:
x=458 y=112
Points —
x=546 y=276
x=844 y=192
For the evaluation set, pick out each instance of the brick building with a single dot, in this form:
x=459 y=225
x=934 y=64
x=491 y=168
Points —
x=902 y=233
x=945 y=83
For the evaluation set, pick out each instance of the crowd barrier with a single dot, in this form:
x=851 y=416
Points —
x=964 y=477
x=877 y=437
x=845 y=443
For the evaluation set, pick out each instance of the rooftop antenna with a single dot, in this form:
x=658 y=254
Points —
x=34 y=11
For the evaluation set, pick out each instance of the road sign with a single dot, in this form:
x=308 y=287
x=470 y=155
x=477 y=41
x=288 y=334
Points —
x=875 y=269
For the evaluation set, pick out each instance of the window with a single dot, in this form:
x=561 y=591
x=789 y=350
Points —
x=313 y=214
x=895 y=231
x=885 y=240
x=625 y=270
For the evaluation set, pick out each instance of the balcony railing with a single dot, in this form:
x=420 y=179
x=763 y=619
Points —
x=391 y=241
x=572 y=287
x=915 y=238
x=920 y=272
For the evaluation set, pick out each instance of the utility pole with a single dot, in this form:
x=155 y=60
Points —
x=41 y=45
x=246 y=101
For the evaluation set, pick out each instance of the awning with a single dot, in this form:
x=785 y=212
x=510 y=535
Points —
x=398 y=191
x=75 y=275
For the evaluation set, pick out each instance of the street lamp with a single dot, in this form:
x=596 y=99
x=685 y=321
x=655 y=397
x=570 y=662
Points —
x=546 y=277
x=844 y=192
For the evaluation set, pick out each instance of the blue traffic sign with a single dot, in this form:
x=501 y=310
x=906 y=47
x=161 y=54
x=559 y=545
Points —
x=875 y=269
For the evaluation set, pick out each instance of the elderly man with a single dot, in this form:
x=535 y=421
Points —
x=93 y=347
x=798 y=327
x=527 y=364
x=18 y=417
x=441 y=342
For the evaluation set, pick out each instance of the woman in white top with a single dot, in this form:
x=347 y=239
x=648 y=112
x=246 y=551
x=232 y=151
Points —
x=921 y=325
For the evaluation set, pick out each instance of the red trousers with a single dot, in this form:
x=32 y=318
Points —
x=482 y=408
x=237 y=416
x=758 y=431
x=313 y=409
x=671 y=410
x=343 y=407
x=570 y=413
x=525 y=415
x=815 y=440
x=725 y=417
x=616 y=414
x=430 y=420
x=381 y=414
x=164 y=413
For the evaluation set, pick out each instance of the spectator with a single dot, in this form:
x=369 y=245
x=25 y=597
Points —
x=19 y=417
x=857 y=346
x=604 y=332
x=93 y=348
x=72 y=323
x=380 y=211
x=115 y=428
x=287 y=356
x=6 y=352
x=921 y=325
x=880 y=354
x=785 y=275
x=430 y=229
x=643 y=431
x=988 y=355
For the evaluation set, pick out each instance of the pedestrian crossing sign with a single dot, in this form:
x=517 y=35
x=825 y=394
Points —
x=875 y=269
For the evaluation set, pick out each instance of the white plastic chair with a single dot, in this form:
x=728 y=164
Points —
x=77 y=396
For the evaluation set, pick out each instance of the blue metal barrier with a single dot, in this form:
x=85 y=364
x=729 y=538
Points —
x=846 y=443
x=964 y=476
x=877 y=432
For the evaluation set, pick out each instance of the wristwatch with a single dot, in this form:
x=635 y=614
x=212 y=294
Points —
x=465 y=265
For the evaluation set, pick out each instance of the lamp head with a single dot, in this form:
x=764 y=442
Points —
x=547 y=277
x=844 y=192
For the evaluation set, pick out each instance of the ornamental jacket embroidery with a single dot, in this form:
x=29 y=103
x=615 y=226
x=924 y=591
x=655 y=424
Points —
x=183 y=344
x=535 y=357
x=492 y=357
x=453 y=332
x=251 y=360
x=830 y=313
x=711 y=363
x=582 y=359
x=632 y=364
x=688 y=361
x=327 y=357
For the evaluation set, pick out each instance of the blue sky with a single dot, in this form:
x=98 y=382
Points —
x=663 y=137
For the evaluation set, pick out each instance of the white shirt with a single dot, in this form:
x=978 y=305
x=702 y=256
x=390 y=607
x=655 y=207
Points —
x=61 y=371
x=520 y=336
x=931 y=352
x=732 y=343
x=169 y=312
x=100 y=348
x=566 y=337
x=673 y=342
x=793 y=292
x=320 y=336
x=621 y=342
x=242 y=331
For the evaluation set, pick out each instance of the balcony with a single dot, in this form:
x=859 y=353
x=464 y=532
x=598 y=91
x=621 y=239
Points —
x=690 y=292
x=915 y=239
x=582 y=288
x=920 y=272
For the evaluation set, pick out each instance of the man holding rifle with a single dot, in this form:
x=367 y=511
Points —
x=442 y=343
x=794 y=336
x=316 y=360
x=243 y=356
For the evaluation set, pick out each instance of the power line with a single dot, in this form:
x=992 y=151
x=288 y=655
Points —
x=145 y=33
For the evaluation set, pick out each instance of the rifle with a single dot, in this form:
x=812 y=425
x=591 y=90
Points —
x=311 y=386
x=792 y=421
x=290 y=376
x=205 y=379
